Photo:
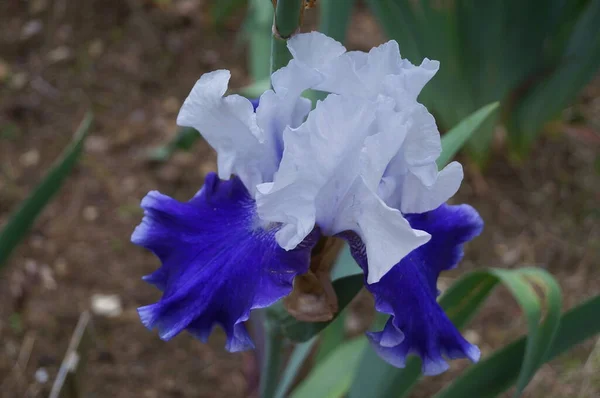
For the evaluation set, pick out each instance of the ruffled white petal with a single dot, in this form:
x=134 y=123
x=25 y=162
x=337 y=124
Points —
x=229 y=125
x=411 y=181
x=318 y=165
x=387 y=235
x=381 y=71
x=283 y=106
x=331 y=167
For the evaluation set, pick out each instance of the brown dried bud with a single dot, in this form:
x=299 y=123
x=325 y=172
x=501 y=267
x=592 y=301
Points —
x=313 y=298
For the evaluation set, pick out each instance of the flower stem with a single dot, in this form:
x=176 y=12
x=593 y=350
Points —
x=286 y=22
x=271 y=361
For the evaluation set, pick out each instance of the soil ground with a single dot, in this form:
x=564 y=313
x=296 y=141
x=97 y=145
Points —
x=133 y=63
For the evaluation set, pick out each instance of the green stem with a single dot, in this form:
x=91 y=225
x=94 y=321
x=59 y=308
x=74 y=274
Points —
x=271 y=361
x=288 y=15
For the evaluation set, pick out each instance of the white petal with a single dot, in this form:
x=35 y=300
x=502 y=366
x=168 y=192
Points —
x=406 y=86
x=319 y=164
x=283 y=106
x=423 y=144
x=314 y=49
x=229 y=125
x=387 y=235
x=419 y=198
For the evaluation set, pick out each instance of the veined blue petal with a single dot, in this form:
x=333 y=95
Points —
x=408 y=292
x=217 y=262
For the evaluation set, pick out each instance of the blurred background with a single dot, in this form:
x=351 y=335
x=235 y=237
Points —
x=533 y=173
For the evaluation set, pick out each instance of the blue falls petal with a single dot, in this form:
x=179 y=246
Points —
x=418 y=325
x=217 y=263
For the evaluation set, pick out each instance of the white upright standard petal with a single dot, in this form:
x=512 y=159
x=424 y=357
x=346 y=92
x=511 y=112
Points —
x=330 y=169
x=229 y=125
x=411 y=181
x=380 y=71
x=283 y=106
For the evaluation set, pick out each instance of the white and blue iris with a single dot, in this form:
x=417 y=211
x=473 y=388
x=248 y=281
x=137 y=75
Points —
x=361 y=166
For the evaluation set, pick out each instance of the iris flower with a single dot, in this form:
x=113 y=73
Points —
x=361 y=166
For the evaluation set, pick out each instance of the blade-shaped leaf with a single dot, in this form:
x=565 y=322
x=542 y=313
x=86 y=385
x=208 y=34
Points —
x=332 y=377
x=455 y=139
x=301 y=351
x=462 y=300
x=500 y=371
x=334 y=18
x=19 y=223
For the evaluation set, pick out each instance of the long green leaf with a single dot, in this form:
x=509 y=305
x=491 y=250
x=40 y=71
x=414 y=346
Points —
x=562 y=81
x=331 y=337
x=500 y=371
x=223 y=9
x=258 y=31
x=462 y=300
x=301 y=351
x=334 y=18
x=455 y=139
x=20 y=222
x=332 y=377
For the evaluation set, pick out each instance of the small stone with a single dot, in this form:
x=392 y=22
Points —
x=59 y=54
x=96 y=144
x=472 y=336
x=129 y=184
x=41 y=376
x=107 y=305
x=171 y=105
x=60 y=266
x=30 y=158
x=47 y=276
x=31 y=29
x=96 y=48
x=18 y=80
x=90 y=213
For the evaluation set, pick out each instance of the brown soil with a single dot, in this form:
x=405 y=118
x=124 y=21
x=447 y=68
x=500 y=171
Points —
x=133 y=66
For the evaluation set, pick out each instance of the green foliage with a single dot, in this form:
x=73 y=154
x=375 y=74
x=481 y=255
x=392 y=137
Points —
x=20 y=222
x=461 y=303
x=549 y=335
x=332 y=377
x=478 y=123
x=497 y=373
x=533 y=56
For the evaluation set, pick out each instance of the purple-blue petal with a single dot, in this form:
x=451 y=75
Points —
x=217 y=262
x=418 y=325
x=255 y=102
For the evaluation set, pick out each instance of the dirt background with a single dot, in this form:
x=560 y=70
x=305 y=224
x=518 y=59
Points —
x=133 y=63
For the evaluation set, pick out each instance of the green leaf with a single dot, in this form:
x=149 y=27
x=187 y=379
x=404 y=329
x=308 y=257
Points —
x=455 y=139
x=461 y=301
x=497 y=373
x=331 y=337
x=346 y=289
x=334 y=18
x=301 y=351
x=223 y=9
x=258 y=31
x=21 y=221
x=559 y=81
x=332 y=377
x=183 y=140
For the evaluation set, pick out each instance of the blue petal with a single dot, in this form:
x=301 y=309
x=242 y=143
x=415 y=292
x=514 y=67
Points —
x=418 y=325
x=217 y=263
x=255 y=102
